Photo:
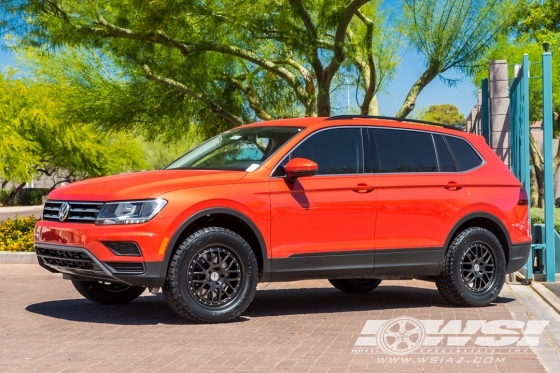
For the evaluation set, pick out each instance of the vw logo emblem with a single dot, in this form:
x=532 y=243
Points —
x=63 y=211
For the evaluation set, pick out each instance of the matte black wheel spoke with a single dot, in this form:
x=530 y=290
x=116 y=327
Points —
x=220 y=278
x=477 y=268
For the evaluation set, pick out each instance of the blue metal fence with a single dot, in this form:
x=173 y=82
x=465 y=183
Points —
x=520 y=157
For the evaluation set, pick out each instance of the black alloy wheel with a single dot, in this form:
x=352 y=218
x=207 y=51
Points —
x=212 y=276
x=473 y=270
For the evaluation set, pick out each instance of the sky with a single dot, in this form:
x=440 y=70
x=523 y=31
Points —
x=463 y=95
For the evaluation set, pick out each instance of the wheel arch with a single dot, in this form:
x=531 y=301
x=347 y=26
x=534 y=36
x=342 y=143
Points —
x=483 y=220
x=225 y=218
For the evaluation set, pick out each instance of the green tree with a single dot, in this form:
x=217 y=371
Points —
x=37 y=140
x=451 y=35
x=221 y=64
x=445 y=114
x=166 y=65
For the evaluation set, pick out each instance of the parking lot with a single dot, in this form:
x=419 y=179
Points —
x=307 y=326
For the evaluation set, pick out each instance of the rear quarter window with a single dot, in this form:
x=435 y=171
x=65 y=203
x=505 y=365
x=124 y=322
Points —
x=465 y=156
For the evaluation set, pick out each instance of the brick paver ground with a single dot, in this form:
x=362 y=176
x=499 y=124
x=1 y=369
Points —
x=305 y=326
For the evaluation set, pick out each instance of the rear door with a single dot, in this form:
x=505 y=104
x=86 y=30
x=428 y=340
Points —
x=420 y=193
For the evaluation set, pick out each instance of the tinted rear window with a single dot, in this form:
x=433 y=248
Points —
x=405 y=151
x=465 y=156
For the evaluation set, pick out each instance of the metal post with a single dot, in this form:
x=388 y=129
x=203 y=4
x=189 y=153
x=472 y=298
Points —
x=525 y=130
x=525 y=164
x=548 y=173
x=485 y=109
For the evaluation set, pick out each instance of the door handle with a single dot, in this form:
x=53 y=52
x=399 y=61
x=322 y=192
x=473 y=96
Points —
x=362 y=188
x=452 y=185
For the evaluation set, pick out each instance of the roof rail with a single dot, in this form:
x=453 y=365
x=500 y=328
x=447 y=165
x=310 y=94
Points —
x=351 y=116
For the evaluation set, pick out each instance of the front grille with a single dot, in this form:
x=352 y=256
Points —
x=126 y=268
x=75 y=260
x=84 y=212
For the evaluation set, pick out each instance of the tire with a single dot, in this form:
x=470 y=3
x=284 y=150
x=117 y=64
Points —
x=355 y=285
x=473 y=269
x=199 y=286
x=108 y=293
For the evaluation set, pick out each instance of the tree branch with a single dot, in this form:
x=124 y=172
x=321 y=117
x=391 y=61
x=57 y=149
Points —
x=408 y=105
x=340 y=35
x=252 y=97
x=217 y=109
x=159 y=37
x=369 y=69
x=300 y=9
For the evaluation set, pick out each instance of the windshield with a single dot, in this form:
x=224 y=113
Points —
x=241 y=149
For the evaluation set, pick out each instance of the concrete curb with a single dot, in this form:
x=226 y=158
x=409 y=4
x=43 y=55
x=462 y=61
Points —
x=9 y=257
x=548 y=296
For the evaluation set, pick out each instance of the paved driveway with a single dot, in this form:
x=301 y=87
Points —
x=305 y=326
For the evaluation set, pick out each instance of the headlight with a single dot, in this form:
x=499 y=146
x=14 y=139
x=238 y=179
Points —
x=129 y=212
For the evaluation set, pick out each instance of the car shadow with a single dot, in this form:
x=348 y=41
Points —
x=152 y=310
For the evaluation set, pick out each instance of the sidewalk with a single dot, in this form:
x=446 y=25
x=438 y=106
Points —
x=536 y=302
x=11 y=211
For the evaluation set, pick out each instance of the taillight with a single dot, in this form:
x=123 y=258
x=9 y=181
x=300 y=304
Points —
x=523 y=198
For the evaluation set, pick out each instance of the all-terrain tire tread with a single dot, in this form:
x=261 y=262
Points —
x=170 y=288
x=445 y=282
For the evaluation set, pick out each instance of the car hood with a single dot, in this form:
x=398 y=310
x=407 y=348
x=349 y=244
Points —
x=141 y=185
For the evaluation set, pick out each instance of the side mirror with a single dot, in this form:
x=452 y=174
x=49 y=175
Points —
x=299 y=167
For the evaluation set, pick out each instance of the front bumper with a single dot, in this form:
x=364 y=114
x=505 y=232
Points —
x=79 y=264
x=80 y=251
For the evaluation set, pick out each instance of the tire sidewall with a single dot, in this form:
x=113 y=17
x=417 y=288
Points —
x=492 y=243
x=247 y=263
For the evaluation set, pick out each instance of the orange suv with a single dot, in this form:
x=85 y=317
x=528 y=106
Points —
x=351 y=199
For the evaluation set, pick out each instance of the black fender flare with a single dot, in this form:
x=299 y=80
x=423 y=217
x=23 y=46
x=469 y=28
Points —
x=266 y=270
x=474 y=215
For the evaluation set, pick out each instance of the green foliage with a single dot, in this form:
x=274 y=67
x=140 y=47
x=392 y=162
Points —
x=540 y=17
x=537 y=217
x=445 y=114
x=17 y=234
x=40 y=139
x=162 y=66
x=160 y=153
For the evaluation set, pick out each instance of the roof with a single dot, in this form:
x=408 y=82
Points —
x=352 y=120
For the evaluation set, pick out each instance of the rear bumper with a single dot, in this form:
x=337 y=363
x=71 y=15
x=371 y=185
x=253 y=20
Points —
x=80 y=264
x=518 y=256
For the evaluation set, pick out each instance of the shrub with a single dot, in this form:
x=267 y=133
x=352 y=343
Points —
x=17 y=234
x=537 y=217
x=4 y=194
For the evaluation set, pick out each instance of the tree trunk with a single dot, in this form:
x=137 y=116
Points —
x=410 y=100
x=12 y=198
x=324 y=97
x=537 y=162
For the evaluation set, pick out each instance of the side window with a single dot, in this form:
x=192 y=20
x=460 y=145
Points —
x=336 y=151
x=405 y=151
x=465 y=156
x=445 y=160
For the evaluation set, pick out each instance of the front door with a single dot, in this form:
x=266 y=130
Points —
x=323 y=225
